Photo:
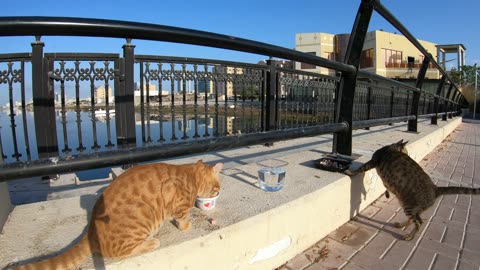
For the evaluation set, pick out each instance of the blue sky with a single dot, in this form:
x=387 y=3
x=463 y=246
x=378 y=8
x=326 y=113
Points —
x=270 y=21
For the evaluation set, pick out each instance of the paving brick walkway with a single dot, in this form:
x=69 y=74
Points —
x=449 y=237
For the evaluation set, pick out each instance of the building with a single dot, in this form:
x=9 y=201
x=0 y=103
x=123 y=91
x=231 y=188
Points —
x=226 y=86
x=387 y=54
x=232 y=89
x=319 y=44
x=153 y=93
x=205 y=86
x=457 y=49
x=279 y=63
x=394 y=56
x=101 y=95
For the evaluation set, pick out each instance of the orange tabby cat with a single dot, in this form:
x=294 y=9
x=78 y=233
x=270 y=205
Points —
x=130 y=211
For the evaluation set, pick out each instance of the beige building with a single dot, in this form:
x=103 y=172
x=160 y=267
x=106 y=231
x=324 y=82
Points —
x=386 y=54
x=319 y=44
x=394 y=56
x=230 y=85
x=101 y=95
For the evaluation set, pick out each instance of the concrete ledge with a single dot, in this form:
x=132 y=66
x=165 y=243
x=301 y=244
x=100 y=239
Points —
x=255 y=229
x=5 y=206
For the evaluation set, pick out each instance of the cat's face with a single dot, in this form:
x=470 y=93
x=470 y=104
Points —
x=211 y=185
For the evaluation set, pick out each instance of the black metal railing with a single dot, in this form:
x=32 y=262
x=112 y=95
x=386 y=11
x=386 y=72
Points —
x=93 y=110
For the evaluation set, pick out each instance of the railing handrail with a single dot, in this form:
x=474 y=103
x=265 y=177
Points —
x=70 y=26
x=192 y=60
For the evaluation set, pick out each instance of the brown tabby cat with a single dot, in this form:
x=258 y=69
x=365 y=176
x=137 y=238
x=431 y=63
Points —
x=130 y=211
x=403 y=177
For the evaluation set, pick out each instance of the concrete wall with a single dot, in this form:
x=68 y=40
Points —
x=256 y=230
x=269 y=239
x=5 y=205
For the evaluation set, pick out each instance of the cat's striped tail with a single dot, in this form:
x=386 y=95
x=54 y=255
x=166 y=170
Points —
x=67 y=260
x=456 y=190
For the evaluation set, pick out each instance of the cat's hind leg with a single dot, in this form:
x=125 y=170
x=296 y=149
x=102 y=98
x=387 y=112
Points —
x=409 y=236
x=417 y=220
x=145 y=246
x=403 y=224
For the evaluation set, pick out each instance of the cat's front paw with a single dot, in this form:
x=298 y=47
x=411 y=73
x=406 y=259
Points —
x=407 y=237
x=349 y=172
x=184 y=226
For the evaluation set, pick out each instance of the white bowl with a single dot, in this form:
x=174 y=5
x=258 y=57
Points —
x=206 y=203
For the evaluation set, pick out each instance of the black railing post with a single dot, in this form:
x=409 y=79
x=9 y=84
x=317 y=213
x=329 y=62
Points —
x=342 y=141
x=43 y=104
x=271 y=97
x=124 y=103
x=392 y=98
x=369 y=101
x=446 y=103
x=424 y=102
x=407 y=103
x=454 y=99
x=440 y=87
x=457 y=96
x=413 y=124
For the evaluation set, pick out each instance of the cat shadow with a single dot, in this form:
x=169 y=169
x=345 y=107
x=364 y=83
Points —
x=382 y=225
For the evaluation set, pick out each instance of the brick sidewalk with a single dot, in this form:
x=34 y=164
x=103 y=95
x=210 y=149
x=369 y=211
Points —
x=450 y=234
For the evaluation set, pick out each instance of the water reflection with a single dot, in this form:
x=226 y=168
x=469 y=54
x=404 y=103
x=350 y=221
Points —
x=79 y=132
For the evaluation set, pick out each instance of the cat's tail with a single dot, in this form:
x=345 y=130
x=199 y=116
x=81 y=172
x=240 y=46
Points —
x=365 y=167
x=456 y=190
x=67 y=260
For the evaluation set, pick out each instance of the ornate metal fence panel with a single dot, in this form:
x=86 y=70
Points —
x=306 y=99
x=381 y=101
x=362 y=101
x=402 y=101
x=427 y=101
x=84 y=87
x=197 y=98
x=14 y=138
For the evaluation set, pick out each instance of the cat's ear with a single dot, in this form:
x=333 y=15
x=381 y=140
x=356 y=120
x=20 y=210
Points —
x=218 y=167
x=402 y=143
x=200 y=161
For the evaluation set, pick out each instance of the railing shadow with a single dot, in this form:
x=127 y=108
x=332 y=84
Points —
x=86 y=203
x=242 y=176
x=379 y=225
